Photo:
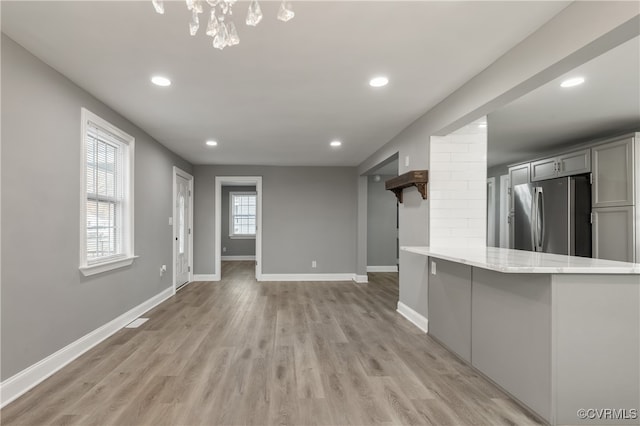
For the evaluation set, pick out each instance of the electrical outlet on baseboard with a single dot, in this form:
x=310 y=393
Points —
x=224 y=249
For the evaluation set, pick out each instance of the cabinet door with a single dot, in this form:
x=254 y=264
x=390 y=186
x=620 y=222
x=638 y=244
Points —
x=574 y=163
x=543 y=169
x=613 y=233
x=517 y=175
x=612 y=165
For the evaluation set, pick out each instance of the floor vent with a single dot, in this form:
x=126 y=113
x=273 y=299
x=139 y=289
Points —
x=137 y=323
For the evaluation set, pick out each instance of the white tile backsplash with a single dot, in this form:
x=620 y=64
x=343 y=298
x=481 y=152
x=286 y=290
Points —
x=440 y=157
x=457 y=190
x=451 y=148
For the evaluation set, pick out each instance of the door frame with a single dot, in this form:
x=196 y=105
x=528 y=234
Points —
x=237 y=181
x=491 y=212
x=179 y=172
x=504 y=211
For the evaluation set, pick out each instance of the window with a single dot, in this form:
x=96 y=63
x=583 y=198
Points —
x=242 y=215
x=106 y=235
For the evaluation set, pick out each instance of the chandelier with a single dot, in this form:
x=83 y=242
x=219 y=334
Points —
x=220 y=26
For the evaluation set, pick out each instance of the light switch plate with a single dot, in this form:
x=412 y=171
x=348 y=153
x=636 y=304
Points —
x=170 y=221
x=433 y=268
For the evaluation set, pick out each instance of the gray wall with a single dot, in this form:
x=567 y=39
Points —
x=46 y=302
x=382 y=231
x=526 y=67
x=234 y=246
x=308 y=213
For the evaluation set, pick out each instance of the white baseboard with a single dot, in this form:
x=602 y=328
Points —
x=234 y=258
x=418 y=320
x=360 y=279
x=185 y=284
x=391 y=268
x=307 y=277
x=23 y=381
x=206 y=277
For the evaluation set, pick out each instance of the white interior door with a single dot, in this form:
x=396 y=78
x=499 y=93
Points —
x=183 y=231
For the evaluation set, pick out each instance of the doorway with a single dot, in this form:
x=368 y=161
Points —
x=182 y=221
x=238 y=181
x=382 y=219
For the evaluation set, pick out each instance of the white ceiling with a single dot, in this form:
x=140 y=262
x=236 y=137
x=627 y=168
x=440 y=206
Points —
x=551 y=116
x=288 y=89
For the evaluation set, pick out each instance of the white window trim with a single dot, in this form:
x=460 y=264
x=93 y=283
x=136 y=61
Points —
x=231 y=234
x=125 y=259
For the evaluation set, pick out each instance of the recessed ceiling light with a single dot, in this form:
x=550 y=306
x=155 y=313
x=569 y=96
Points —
x=379 y=81
x=576 y=81
x=211 y=143
x=158 y=80
x=335 y=144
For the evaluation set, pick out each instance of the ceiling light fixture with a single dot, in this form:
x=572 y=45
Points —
x=225 y=33
x=211 y=143
x=576 y=81
x=379 y=81
x=335 y=144
x=158 y=80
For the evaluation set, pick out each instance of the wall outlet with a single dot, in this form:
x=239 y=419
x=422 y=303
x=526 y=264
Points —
x=433 y=268
x=313 y=264
x=163 y=269
x=224 y=249
x=170 y=221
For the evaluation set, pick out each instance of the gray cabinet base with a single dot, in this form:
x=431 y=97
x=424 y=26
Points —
x=558 y=343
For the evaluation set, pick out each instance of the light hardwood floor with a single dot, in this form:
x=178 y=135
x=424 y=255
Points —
x=243 y=352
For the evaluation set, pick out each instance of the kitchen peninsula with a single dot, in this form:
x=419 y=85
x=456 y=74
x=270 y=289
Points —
x=559 y=333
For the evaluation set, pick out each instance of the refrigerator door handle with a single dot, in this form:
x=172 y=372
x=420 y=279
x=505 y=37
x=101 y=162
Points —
x=534 y=210
x=539 y=219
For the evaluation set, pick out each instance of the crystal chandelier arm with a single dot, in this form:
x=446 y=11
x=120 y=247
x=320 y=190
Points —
x=225 y=33
x=285 y=12
x=158 y=5
x=254 y=14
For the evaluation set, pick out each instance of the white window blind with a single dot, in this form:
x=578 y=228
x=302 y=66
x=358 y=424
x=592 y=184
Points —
x=243 y=214
x=107 y=213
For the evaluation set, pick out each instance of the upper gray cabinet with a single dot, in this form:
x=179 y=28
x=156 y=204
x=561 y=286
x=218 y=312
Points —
x=573 y=163
x=613 y=173
x=544 y=169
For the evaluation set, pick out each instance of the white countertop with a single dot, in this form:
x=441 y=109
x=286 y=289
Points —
x=525 y=262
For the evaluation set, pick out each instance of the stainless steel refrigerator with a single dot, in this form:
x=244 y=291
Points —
x=553 y=216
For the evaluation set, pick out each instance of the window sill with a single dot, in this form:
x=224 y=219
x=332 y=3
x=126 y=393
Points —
x=242 y=237
x=98 y=268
